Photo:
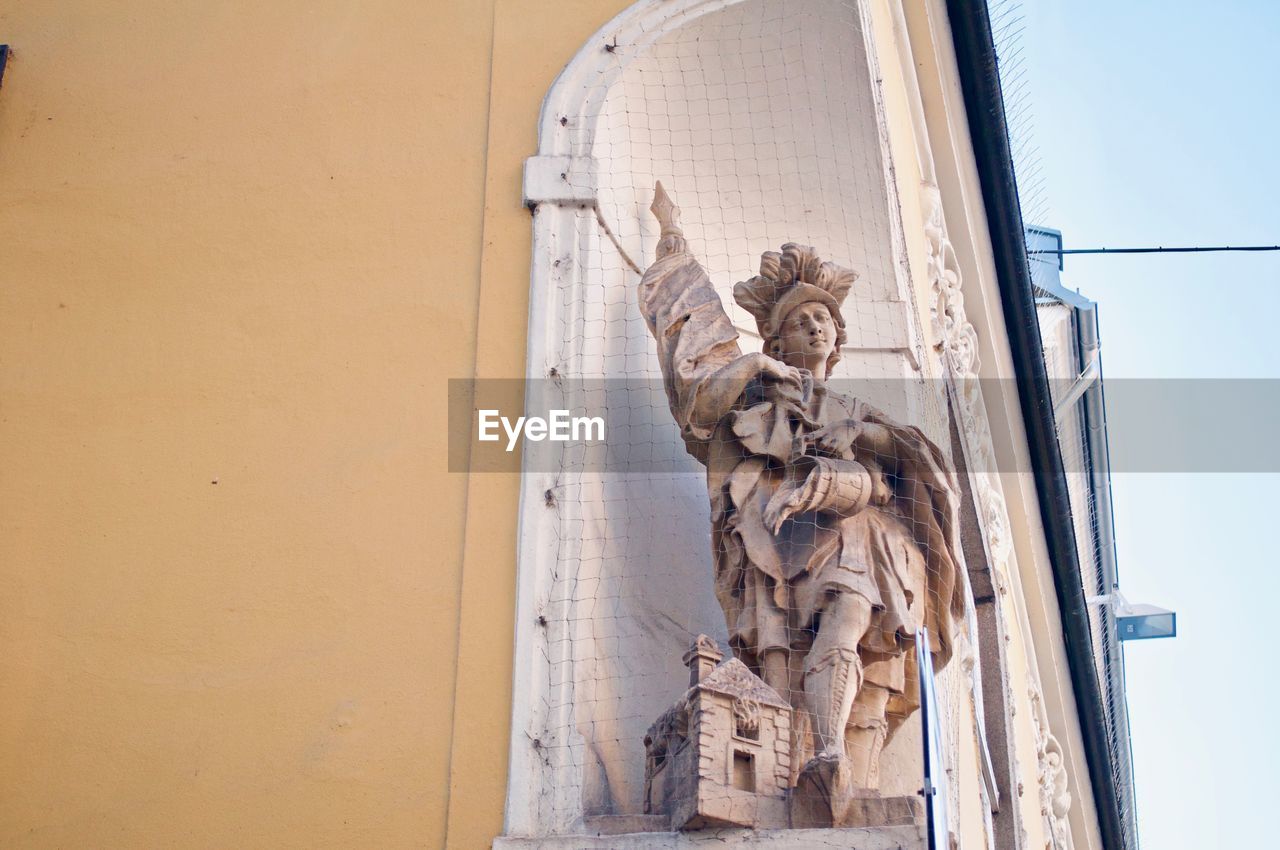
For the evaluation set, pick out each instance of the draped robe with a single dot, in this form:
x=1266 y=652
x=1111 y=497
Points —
x=901 y=555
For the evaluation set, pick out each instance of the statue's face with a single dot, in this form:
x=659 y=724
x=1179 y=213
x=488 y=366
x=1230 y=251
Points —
x=808 y=335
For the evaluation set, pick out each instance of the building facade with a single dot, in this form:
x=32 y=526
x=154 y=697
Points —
x=258 y=590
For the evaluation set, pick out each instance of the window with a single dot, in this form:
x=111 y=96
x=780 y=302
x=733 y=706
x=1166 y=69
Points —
x=744 y=771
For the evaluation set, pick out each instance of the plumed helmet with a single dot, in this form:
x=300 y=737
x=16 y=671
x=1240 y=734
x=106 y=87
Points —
x=788 y=279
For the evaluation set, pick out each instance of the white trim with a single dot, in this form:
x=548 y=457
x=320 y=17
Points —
x=567 y=124
x=555 y=235
x=559 y=180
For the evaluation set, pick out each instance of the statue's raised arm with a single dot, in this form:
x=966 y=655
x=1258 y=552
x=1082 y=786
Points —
x=703 y=367
x=668 y=216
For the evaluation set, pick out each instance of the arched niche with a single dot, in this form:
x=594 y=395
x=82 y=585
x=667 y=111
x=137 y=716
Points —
x=764 y=122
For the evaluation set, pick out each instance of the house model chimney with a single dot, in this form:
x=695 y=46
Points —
x=702 y=658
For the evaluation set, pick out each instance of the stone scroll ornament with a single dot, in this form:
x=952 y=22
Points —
x=834 y=529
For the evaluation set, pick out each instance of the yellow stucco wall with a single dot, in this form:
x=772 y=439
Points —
x=242 y=245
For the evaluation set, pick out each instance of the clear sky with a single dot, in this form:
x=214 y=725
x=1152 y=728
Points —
x=1158 y=123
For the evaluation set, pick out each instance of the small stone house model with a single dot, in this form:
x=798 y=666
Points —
x=721 y=756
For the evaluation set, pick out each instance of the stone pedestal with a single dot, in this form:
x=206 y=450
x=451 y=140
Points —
x=626 y=824
x=824 y=798
x=864 y=809
x=881 y=838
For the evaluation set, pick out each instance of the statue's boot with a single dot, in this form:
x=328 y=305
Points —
x=865 y=743
x=831 y=681
x=801 y=727
x=825 y=785
x=823 y=793
x=866 y=735
x=801 y=743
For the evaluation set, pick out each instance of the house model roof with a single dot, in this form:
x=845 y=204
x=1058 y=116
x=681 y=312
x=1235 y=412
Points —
x=734 y=679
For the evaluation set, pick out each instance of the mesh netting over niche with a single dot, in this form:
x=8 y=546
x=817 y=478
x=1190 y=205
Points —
x=762 y=121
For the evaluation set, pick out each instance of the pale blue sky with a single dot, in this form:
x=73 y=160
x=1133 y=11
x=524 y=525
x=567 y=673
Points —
x=1157 y=123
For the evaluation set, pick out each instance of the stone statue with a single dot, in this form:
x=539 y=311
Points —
x=834 y=529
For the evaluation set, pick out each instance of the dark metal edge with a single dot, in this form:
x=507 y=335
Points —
x=984 y=105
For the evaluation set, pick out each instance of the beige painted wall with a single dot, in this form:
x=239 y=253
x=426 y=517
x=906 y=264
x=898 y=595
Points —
x=242 y=245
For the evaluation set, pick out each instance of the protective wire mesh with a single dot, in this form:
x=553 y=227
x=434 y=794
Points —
x=761 y=120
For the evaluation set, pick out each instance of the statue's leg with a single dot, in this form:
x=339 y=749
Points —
x=866 y=735
x=772 y=649
x=801 y=728
x=780 y=673
x=775 y=673
x=833 y=672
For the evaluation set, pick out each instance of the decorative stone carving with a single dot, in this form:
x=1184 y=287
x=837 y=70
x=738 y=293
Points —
x=721 y=756
x=1055 y=795
x=957 y=342
x=834 y=528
